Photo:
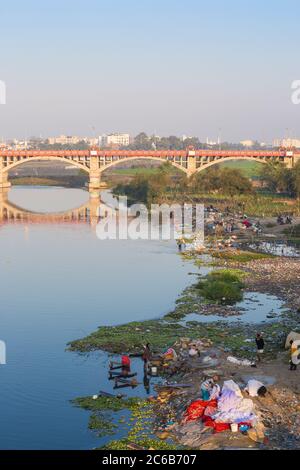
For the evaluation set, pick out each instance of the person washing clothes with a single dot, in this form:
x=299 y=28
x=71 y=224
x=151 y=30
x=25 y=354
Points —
x=255 y=388
x=210 y=389
x=146 y=356
x=260 y=344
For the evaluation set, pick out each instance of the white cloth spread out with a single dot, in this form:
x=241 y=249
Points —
x=253 y=386
x=232 y=407
x=231 y=385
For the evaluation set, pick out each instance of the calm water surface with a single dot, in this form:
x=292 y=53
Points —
x=58 y=283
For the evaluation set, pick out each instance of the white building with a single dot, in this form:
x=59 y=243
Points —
x=288 y=143
x=247 y=143
x=115 y=140
x=65 y=140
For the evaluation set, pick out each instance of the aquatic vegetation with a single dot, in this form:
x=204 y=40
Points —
x=130 y=337
x=141 y=432
x=222 y=286
x=233 y=276
x=153 y=444
x=101 y=420
x=239 y=256
x=108 y=403
x=101 y=424
x=219 y=291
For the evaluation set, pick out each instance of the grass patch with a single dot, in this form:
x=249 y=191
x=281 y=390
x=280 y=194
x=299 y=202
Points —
x=222 y=286
x=220 y=292
x=247 y=168
x=70 y=181
x=232 y=276
x=240 y=256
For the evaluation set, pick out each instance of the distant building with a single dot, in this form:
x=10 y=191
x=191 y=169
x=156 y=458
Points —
x=211 y=142
x=92 y=141
x=115 y=140
x=19 y=144
x=287 y=143
x=65 y=140
x=247 y=143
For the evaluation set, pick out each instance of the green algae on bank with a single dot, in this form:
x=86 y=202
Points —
x=164 y=332
x=105 y=409
x=239 y=256
x=108 y=403
x=150 y=443
x=138 y=425
x=130 y=337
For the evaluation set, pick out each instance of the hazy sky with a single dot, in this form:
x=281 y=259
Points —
x=166 y=66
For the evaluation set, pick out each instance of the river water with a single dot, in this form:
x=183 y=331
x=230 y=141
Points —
x=59 y=282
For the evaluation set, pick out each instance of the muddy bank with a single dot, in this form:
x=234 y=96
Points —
x=279 y=411
x=262 y=274
x=279 y=276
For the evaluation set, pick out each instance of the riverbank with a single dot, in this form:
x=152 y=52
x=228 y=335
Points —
x=262 y=273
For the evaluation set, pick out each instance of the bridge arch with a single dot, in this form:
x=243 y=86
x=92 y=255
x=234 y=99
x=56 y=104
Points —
x=226 y=159
x=24 y=161
x=125 y=159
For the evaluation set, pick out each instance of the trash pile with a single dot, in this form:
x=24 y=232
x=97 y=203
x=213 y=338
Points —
x=225 y=410
x=221 y=224
x=199 y=406
x=206 y=399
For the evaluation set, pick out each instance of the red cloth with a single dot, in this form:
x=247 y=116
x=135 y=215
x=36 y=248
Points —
x=246 y=223
x=197 y=409
x=126 y=361
x=209 y=411
x=218 y=427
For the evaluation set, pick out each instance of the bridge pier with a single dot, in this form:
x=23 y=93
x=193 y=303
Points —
x=95 y=184
x=3 y=200
x=4 y=183
x=191 y=163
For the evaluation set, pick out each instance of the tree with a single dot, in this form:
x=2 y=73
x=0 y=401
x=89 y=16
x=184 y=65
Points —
x=222 y=180
x=279 y=178
x=142 y=141
x=296 y=180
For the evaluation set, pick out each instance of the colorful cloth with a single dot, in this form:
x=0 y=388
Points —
x=196 y=409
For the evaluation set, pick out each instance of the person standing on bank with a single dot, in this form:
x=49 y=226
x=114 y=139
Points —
x=146 y=356
x=260 y=344
x=294 y=361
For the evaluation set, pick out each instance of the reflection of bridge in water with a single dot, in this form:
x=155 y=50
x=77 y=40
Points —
x=86 y=213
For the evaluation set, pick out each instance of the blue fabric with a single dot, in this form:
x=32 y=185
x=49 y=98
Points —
x=205 y=394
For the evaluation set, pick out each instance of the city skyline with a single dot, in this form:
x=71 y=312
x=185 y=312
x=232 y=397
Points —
x=206 y=70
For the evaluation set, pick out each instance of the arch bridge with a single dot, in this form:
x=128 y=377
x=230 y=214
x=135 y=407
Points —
x=95 y=161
